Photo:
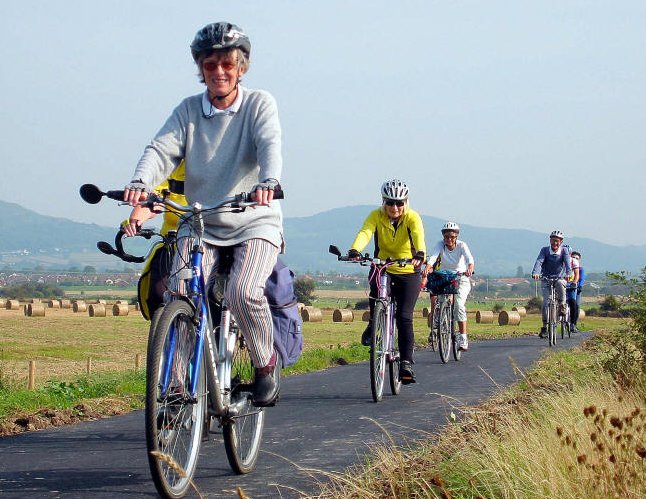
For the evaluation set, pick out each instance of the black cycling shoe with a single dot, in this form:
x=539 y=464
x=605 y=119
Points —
x=406 y=374
x=264 y=389
x=366 y=336
x=543 y=333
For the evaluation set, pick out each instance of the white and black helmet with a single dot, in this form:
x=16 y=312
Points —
x=450 y=226
x=218 y=36
x=394 y=189
x=557 y=233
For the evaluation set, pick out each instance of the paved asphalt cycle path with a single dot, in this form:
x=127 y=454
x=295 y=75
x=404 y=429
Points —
x=321 y=423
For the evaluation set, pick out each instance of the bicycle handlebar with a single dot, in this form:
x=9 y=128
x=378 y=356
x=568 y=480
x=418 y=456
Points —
x=119 y=252
x=92 y=194
x=363 y=259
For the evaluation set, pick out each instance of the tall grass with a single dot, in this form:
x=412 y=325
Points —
x=573 y=428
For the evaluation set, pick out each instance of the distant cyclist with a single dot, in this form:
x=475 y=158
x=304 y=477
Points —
x=453 y=254
x=573 y=290
x=230 y=139
x=397 y=232
x=554 y=262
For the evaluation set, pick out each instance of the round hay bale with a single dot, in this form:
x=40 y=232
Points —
x=79 y=306
x=342 y=315
x=96 y=310
x=522 y=311
x=121 y=302
x=34 y=300
x=484 y=317
x=425 y=312
x=311 y=314
x=511 y=318
x=365 y=317
x=137 y=306
x=581 y=314
x=35 y=310
x=120 y=309
x=12 y=305
x=65 y=303
x=53 y=304
x=300 y=307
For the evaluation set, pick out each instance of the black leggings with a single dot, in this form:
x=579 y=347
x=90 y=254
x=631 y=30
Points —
x=404 y=289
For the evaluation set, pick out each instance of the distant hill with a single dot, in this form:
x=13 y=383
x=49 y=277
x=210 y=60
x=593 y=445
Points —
x=498 y=252
x=34 y=238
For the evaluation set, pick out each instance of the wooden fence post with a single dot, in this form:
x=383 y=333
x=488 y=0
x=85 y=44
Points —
x=137 y=361
x=88 y=367
x=31 y=384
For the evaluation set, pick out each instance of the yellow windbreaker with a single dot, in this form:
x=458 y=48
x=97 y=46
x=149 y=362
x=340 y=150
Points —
x=393 y=242
x=175 y=184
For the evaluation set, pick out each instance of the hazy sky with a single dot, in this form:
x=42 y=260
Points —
x=501 y=114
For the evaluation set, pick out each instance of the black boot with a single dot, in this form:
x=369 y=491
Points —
x=543 y=333
x=264 y=389
x=406 y=374
x=366 y=336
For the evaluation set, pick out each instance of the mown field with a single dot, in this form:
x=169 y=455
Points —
x=62 y=342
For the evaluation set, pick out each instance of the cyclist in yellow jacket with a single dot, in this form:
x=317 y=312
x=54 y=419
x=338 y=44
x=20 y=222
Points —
x=398 y=232
x=154 y=276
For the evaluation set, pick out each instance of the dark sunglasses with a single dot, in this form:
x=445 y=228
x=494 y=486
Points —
x=212 y=66
x=392 y=202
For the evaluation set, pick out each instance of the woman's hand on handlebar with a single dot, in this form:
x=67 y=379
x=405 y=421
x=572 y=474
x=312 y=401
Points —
x=135 y=192
x=131 y=226
x=353 y=254
x=418 y=259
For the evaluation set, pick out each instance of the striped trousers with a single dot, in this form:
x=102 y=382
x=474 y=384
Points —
x=253 y=261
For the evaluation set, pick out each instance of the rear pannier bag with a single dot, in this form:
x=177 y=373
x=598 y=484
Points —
x=288 y=326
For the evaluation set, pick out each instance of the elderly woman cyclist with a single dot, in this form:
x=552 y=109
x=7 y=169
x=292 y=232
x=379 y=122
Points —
x=398 y=232
x=230 y=139
x=453 y=254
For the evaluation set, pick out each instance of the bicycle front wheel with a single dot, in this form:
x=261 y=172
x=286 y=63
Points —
x=378 y=352
x=174 y=418
x=393 y=365
x=444 y=340
x=243 y=426
x=551 y=326
x=455 y=341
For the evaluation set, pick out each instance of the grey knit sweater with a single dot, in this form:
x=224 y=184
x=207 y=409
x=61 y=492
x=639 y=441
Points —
x=226 y=153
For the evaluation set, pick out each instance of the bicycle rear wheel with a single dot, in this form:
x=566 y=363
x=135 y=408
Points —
x=444 y=336
x=243 y=427
x=432 y=335
x=378 y=352
x=174 y=419
x=393 y=365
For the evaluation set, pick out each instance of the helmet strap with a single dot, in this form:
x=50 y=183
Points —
x=220 y=97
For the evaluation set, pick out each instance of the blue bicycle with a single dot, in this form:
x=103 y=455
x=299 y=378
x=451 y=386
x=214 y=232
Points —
x=197 y=372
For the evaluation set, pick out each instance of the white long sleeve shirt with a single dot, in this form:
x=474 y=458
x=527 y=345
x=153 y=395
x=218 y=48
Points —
x=457 y=260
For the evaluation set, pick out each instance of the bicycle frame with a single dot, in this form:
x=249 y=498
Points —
x=381 y=276
x=218 y=370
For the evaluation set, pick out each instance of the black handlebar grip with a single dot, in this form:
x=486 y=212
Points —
x=116 y=195
x=279 y=194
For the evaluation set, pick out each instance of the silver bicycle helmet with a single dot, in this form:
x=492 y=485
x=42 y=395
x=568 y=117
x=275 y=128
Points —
x=217 y=36
x=452 y=226
x=394 y=189
x=557 y=233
